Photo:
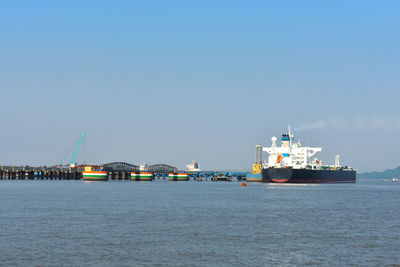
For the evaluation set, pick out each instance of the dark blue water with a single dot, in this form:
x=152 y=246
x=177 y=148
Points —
x=75 y=223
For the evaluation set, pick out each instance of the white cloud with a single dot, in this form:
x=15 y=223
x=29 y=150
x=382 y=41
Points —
x=384 y=123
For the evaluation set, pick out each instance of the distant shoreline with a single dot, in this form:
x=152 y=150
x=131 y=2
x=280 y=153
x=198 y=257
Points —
x=387 y=174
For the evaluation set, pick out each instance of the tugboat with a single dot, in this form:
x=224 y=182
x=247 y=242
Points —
x=290 y=163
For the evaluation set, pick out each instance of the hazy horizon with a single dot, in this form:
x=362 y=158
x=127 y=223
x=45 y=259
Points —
x=172 y=82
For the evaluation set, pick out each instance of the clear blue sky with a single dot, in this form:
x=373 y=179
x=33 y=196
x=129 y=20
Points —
x=173 y=81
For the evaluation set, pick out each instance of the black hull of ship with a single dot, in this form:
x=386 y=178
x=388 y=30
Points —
x=289 y=175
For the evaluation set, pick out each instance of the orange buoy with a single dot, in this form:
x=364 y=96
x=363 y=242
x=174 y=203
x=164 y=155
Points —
x=244 y=184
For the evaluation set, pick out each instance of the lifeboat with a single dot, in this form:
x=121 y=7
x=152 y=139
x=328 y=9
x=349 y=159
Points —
x=278 y=160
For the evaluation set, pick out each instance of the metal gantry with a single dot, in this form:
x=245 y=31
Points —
x=258 y=155
x=120 y=167
x=127 y=167
x=161 y=168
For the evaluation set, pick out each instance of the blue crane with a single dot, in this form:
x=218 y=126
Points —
x=76 y=150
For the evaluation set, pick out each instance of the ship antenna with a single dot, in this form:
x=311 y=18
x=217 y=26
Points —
x=290 y=135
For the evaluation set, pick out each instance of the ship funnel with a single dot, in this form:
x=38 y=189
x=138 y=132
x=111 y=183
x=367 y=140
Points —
x=285 y=140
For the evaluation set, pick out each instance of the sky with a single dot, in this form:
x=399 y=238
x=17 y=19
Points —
x=176 y=81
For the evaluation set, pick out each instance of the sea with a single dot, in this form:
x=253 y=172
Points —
x=161 y=223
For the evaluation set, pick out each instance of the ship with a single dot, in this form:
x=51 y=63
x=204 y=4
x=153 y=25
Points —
x=293 y=163
x=194 y=167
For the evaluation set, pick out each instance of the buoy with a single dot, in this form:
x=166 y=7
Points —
x=244 y=184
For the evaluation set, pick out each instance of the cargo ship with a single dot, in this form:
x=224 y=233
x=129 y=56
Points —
x=194 y=167
x=292 y=163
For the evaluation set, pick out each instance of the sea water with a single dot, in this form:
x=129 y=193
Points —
x=124 y=223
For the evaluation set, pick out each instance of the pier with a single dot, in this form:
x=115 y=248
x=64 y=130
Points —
x=39 y=173
x=115 y=171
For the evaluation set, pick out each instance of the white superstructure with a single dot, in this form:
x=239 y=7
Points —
x=143 y=167
x=194 y=167
x=291 y=154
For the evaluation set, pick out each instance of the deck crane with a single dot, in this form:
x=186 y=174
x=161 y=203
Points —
x=76 y=150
